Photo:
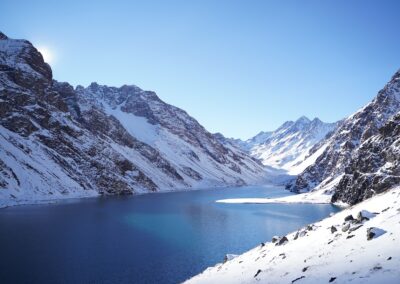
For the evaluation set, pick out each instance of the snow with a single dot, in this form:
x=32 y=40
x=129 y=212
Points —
x=321 y=195
x=38 y=178
x=289 y=146
x=320 y=253
x=312 y=197
x=137 y=126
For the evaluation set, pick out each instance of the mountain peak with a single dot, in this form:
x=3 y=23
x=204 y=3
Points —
x=3 y=36
x=303 y=119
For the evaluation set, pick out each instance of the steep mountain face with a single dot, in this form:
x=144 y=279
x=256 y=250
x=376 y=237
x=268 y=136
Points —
x=359 y=151
x=289 y=148
x=374 y=167
x=60 y=142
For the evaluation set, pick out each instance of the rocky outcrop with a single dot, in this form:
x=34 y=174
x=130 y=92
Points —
x=346 y=150
x=374 y=167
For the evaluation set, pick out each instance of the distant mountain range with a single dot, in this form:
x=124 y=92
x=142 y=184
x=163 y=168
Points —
x=288 y=147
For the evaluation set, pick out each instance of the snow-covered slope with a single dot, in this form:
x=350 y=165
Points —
x=364 y=148
x=61 y=142
x=289 y=147
x=358 y=245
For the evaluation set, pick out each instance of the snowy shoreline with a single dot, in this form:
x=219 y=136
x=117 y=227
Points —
x=360 y=244
x=12 y=203
x=301 y=198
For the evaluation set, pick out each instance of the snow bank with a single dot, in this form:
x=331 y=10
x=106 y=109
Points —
x=338 y=249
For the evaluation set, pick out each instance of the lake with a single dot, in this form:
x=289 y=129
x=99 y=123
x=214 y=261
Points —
x=152 y=238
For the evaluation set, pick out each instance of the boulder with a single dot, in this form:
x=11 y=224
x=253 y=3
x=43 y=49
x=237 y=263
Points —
x=346 y=227
x=274 y=239
x=348 y=218
x=282 y=241
x=374 y=232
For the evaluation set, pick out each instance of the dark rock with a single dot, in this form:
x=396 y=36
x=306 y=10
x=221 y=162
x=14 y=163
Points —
x=377 y=267
x=333 y=229
x=332 y=279
x=282 y=241
x=361 y=218
x=274 y=239
x=348 y=218
x=258 y=272
x=374 y=233
x=370 y=234
x=297 y=279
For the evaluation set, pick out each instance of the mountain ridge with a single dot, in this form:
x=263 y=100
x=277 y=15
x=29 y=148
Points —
x=58 y=141
x=287 y=147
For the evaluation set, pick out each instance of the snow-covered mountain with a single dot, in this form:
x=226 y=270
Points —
x=61 y=142
x=361 y=157
x=288 y=147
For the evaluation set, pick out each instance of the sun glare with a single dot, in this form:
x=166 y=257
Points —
x=47 y=54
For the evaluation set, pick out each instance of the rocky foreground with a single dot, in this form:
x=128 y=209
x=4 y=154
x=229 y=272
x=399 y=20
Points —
x=360 y=244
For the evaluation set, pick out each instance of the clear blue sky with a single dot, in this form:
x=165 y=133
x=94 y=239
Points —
x=238 y=67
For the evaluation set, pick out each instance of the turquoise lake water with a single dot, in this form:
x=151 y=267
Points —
x=153 y=238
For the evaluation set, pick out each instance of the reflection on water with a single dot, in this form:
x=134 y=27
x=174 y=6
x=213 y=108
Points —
x=157 y=238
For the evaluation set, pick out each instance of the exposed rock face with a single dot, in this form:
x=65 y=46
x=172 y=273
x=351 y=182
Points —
x=363 y=143
x=57 y=141
x=374 y=167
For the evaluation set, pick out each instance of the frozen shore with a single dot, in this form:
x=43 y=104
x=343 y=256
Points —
x=360 y=244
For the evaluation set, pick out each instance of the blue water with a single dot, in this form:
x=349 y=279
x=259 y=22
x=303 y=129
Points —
x=154 y=238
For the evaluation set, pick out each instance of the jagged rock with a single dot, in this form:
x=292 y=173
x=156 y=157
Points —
x=310 y=227
x=363 y=150
x=283 y=240
x=274 y=239
x=348 y=218
x=333 y=229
